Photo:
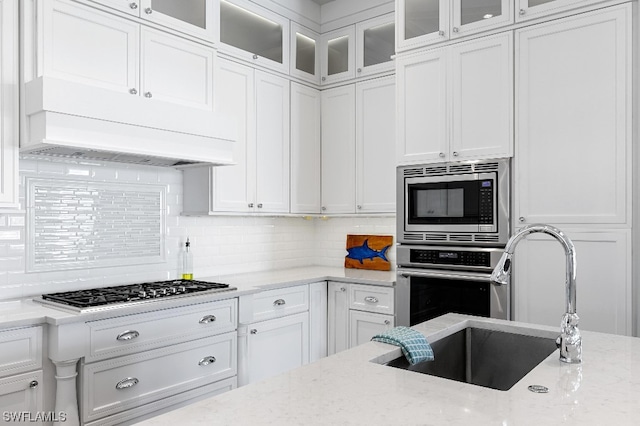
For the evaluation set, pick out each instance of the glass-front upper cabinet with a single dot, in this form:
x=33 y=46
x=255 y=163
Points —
x=375 y=45
x=424 y=22
x=530 y=9
x=338 y=55
x=194 y=17
x=254 y=33
x=305 y=53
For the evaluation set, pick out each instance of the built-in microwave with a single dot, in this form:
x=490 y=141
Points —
x=457 y=203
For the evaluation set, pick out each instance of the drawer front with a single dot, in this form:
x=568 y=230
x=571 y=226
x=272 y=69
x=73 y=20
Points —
x=134 y=333
x=119 y=384
x=280 y=302
x=370 y=298
x=20 y=350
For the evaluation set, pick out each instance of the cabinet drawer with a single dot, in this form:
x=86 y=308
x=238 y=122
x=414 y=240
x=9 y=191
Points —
x=283 y=301
x=123 y=383
x=371 y=298
x=20 y=350
x=133 y=333
x=20 y=395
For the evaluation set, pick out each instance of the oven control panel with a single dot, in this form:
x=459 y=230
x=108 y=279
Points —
x=450 y=257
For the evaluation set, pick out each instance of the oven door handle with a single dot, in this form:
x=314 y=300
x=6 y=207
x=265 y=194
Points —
x=446 y=275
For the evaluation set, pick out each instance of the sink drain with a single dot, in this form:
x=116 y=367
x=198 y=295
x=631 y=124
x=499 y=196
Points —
x=538 y=389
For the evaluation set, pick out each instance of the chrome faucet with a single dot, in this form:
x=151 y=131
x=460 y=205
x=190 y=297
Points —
x=570 y=341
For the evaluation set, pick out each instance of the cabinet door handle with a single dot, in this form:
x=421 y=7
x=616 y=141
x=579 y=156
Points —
x=133 y=91
x=133 y=6
x=127 y=335
x=207 y=319
x=259 y=205
x=148 y=11
x=33 y=384
x=359 y=70
x=255 y=56
x=441 y=155
x=371 y=299
x=148 y=95
x=323 y=208
x=324 y=78
x=387 y=322
x=127 y=383
x=343 y=289
x=455 y=153
x=253 y=331
x=522 y=12
x=250 y=205
x=207 y=360
x=521 y=219
x=279 y=302
x=456 y=29
x=441 y=33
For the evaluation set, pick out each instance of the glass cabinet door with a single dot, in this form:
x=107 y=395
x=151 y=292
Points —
x=421 y=22
x=375 y=44
x=471 y=16
x=305 y=53
x=529 y=9
x=255 y=33
x=338 y=55
x=195 y=17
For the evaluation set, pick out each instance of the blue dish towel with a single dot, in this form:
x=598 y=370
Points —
x=413 y=343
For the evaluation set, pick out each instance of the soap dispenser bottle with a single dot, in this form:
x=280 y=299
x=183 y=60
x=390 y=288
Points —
x=187 y=262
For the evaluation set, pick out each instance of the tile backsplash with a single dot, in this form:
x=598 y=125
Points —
x=221 y=244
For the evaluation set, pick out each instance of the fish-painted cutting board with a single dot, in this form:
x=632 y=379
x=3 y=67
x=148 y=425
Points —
x=368 y=252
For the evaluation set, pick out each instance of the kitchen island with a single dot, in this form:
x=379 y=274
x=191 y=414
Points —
x=354 y=388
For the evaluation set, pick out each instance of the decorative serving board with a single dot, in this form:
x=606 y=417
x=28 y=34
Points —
x=368 y=252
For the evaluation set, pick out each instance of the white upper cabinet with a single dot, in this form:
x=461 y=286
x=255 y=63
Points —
x=375 y=45
x=305 y=54
x=254 y=34
x=424 y=22
x=456 y=102
x=375 y=145
x=530 y=9
x=193 y=17
x=573 y=130
x=337 y=49
x=8 y=103
x=305 y=149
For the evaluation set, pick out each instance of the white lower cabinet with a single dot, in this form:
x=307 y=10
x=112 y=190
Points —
x=20 y=394
x=357 y=312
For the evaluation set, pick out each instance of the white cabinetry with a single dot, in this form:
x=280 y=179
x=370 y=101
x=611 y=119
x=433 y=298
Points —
x=573 y=139
x=305 y=54
x=357 y=312
x=305 y=149
x=456 y=103
x=21 y=377
x=193 y=17
x=530 y=9
x=8 y=103
x=338 y=57
x=259 y=181
x=424 y=22
x=358 y=126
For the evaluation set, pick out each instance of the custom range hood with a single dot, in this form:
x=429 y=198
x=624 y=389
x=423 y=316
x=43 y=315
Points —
x=64 y=119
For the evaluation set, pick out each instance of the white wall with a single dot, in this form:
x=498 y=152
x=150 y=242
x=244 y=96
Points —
x=221 y=245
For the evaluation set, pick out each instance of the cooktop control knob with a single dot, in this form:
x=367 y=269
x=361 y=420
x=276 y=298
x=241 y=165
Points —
x=142 y=294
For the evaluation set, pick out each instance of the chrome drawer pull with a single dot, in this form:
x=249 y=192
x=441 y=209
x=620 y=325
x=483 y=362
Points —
x=207 y=360
x=33 y=384
x=127 y=383
x=371 y=299
x=127 y=335
x=279 y=302
x=207 y=319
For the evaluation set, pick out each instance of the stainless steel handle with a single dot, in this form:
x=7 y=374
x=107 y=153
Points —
x=324 y=78
x=133 y=91
x=447 y=276
x=522 y=12
x=127 y=383
x=441 y=155
x=455 y=153
x=148 y=11
x=250 y=205
x=33 y=384
x=359 y=70
x=259 y=205
x=207 y=319
x=387 y=322
x=255 y=56
x=148 y=95
x=521 y=219
x=371 y=299
x=279 y=302
x=456 y=29
x=127 y=335
x=359 y=207
x=207 y=360
x=323 y=208
x=440 y=33
x=133 y=5
x=253 y=331
x=343 y=289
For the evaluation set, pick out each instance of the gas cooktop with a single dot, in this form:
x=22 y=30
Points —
x=127 y=295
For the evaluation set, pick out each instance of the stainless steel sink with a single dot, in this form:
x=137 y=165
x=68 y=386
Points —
x=489 y=358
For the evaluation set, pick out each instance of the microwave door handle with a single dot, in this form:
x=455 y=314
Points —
x=449 y=276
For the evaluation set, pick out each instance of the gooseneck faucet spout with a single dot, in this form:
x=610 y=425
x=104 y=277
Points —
x=570 y=341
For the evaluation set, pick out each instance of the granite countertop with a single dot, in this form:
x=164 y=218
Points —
x=26 y=312
x=349 y=389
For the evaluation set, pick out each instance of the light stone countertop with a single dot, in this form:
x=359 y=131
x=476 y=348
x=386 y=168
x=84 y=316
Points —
x=349 y=389
x=26 y=312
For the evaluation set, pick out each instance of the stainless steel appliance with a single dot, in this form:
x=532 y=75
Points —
x=454 y=203
x=98 y=299
x=435 y=280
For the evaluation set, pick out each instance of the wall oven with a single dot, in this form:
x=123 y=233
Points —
x=435 y=280
x=462 y=203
